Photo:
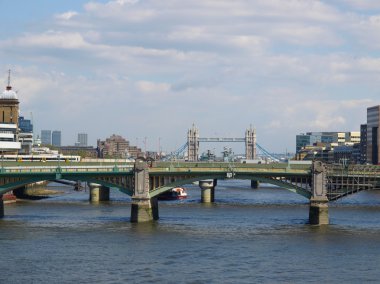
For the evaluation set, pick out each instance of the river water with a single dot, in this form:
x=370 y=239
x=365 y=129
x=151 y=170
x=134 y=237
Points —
x=247 y=236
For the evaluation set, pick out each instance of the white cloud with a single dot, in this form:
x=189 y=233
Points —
x=49 y=39
x=151 y=87
x=366 y=30
x=124 y=2
x=306 y=35
x=249 y=42
x=369 y=64
x=119 y=11
x=362 y=4
x=67 y=15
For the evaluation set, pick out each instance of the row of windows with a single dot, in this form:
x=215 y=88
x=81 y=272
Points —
x=6 y=132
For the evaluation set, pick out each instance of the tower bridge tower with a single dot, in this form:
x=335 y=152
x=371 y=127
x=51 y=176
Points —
x=193 y=143
x=250 y=143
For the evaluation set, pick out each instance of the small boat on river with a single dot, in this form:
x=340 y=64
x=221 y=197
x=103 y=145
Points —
x=9 y=197
x=173 y=194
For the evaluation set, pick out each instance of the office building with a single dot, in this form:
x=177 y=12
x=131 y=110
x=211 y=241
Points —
x=373 y=135
x=331 y=147
x=117 y=147
x=25 y=125
x=339 y=138
x=46 y=137
x=363 y=143
x=311 y=138
x=56 y=138
x=345 y=154
x=303 y=140
x=25 y=135
x=113 y=147
x=353 y=138
x=82 y=140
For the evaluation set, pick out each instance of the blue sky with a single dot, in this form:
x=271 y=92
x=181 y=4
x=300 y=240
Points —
x=153 y=68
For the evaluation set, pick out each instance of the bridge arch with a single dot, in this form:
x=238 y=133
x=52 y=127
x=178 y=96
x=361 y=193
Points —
x=6 y=187
x=180 y=182
x=18 y=183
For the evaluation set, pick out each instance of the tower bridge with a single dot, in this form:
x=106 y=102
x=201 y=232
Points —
x=193 y=141
x=145 y=180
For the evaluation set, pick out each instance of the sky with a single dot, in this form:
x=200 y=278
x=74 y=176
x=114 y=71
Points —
x=148 y=70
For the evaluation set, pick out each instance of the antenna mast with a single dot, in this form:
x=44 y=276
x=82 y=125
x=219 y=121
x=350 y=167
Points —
x=9 y=80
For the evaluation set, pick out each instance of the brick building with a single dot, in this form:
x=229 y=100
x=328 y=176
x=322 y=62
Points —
x=117 y=147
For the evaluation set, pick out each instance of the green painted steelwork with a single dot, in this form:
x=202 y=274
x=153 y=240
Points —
x=157 y=191
x=201 y=171
x=293 y=188
x=286 y=175
x=13 y=185
x=28 y=175
x=32 y=172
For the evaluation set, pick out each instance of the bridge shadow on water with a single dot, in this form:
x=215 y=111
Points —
x=235 y=202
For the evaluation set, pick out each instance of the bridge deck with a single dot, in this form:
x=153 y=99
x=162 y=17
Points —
x=340 y=181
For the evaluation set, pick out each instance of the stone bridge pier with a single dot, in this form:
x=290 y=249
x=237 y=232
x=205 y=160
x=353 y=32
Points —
x=255 y=184
x=208 y=190
x=318 y=212
x=143 y=208
x=98 y=192
x=1 y=206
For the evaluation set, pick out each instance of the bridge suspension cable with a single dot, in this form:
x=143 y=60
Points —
x=177 y=153
x=267 y=154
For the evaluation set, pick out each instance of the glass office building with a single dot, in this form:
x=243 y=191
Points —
x=56 y=138
x=46 y=137
x=373 y=137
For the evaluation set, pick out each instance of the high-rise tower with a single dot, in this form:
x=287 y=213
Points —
x=82 y=139
x=56 y=138
x=373 y=135
x=46 y=137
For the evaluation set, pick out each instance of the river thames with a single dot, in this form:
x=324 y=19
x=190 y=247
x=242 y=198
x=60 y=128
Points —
x=247 y=236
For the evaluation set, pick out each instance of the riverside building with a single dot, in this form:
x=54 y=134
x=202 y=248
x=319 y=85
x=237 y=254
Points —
x=363 y=143
x=117 y=147
x=25 y=135
x=373 y=135
x=332 y=147
x=9 y=112
x=339 y=138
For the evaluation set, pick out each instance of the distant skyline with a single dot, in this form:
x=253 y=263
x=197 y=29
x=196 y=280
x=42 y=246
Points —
x=153 y=68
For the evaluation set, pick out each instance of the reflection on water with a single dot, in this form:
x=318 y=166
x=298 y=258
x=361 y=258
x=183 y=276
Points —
x=246 y=236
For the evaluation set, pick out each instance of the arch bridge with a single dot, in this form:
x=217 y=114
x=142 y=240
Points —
x=145 y=180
